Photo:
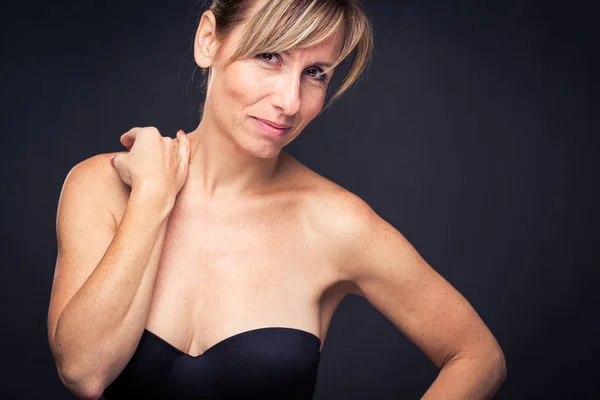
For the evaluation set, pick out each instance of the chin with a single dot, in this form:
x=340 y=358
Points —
x=263 y=149
x=259 y=146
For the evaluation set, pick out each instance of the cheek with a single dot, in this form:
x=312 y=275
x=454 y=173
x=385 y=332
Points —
x=313 y=99
x=243 y=86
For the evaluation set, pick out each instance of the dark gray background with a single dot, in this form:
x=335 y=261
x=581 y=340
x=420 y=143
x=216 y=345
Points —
x=472 y=133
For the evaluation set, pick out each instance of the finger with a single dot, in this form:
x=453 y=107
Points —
x=117 y=160
x=175 y=144
x=128 y=138
x=184 y=147
x=123 y=137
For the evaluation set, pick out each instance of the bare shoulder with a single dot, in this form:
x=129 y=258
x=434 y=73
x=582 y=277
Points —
x=96 y=169
x=341 y=209
x=397 y=281
x=95 y=179
x=340 y=216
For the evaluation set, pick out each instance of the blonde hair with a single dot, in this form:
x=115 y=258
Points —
x=281 y=25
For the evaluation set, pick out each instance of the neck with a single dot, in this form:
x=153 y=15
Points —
x=220 y=168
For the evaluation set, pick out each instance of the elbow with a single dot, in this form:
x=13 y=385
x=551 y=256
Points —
x=74 y=378
x=500 y=362
x=496 y=363
x=83 y=387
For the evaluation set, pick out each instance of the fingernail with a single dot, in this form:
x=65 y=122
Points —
x=112 y=160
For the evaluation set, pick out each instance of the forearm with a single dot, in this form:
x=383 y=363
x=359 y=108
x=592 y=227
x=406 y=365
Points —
x=100 y=327
x=468 y=378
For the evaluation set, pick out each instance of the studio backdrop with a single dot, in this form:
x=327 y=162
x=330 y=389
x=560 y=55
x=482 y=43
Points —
x=472 y=133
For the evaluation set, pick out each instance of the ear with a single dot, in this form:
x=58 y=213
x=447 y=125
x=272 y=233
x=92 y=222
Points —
x=205 y=42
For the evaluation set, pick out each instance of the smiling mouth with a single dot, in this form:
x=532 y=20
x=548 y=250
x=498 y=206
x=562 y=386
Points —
x=271 y=130
x=273 y=124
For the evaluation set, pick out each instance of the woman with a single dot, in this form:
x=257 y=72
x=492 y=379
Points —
x=209 y=265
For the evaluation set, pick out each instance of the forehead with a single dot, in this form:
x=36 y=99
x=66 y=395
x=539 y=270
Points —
x=327 y=49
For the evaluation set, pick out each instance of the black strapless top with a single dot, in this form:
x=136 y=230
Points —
x=263 y=363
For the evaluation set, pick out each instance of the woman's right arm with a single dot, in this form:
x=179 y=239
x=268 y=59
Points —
x=105 y=274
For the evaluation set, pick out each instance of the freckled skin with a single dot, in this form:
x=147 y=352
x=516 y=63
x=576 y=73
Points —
x=280 y=91
x=263 y=258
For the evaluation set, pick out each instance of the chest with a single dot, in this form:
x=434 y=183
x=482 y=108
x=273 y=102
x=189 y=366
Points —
x=234 y=269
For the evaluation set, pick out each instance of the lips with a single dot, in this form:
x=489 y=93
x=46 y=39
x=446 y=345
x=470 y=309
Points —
x=273 y=124
x=271 y=130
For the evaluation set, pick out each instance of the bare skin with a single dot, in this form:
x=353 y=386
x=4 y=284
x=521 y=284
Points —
x=243 y=264
x=237 y=239
x=252 y=239
x=134 y=239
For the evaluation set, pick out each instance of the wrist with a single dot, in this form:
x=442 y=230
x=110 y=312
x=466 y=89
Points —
x=152 y=200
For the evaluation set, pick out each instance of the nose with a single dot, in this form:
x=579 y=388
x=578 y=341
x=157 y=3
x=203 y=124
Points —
x=287 y=94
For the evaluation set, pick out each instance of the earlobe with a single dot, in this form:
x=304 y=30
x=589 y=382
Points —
x=205 y=41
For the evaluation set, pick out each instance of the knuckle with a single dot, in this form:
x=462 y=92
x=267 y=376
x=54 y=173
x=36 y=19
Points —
x=152 y=130
x=149 y=132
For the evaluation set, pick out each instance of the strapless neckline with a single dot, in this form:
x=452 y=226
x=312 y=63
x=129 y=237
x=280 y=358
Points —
x=233 y=337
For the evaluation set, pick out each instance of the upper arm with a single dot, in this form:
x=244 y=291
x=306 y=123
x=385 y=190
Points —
x=85 y=227
x=399 y=283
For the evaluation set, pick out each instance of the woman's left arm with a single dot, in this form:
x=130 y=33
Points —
x=432 y=314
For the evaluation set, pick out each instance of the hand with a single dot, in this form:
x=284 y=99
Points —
x=155 y=162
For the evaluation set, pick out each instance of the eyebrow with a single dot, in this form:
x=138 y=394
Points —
x=320 y=64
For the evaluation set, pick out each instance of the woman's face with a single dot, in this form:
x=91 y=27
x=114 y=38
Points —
x=285 y=89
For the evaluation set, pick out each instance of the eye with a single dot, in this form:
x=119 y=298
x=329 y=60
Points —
x=314 y=72
x=317 y=74
x=268 y=57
